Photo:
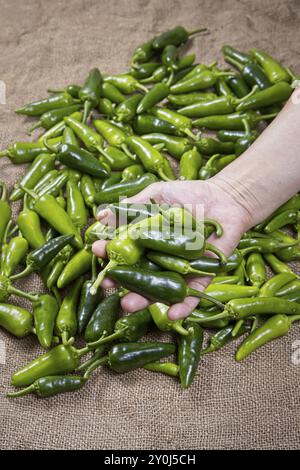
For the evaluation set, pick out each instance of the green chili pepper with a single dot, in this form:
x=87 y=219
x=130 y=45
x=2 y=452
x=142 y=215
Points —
x=239 y=86
x=87 y=305
x=186 y=61
x=145 y=263
x=16 y=320
x=277 y=265
x=142 y=53
x=103 y=320
x=225 y=280
x=41 y=257
x=286 y=217
x=91 y=92
x=59 y=360
x=215 y=164
x=290 y=253
x=25 y=152
x=275 y=283
x=132 y=172
x=45 y=310
x=147 y=124
x=199 y=81
x=106 y=107
x=291 y=288
x=59 y=128
x=127 y=189
x=189 y=353
x=209 y=146
x=88 y=191
x=214 y=265
x=252 y=73
x=112 y=134
x=54 y=187
x=167 y=368
x=225 y=292
x=159 y=314
x=76 y=208
x=78 y=265
x=169 y=57
x=182 y=123
x=124 y=357
x=274 y=327
x=129 y=328
x=114 y=178
x=256 y=269
x=57 y=266
x=175 y=146
x=52 y=385
x=125 y=83
x=222 y=88
x=126 y=110
x=112 y=93
x=6 y=290
x=41 y=165
x=116 y=159
x=191 y=98
x=246 y=141
x=232 y=121
x=223 y=337
x=66 y=320
x=196 y=70
x=173 y=263
x=175 y=36
x=28 y=222
x=91 y=139
x=262 y=245
x=234 y=136
x=72 y=90
x=272 y=68
x=54 y=116
x=15 y=253
x=5 y=211
x=190 y=164
x=158 y=75
x=47 y=104
x=201 y=315
x=144 y=70
x=126 y=212
x=165 y=287
x=235 y=54
x=277 y=93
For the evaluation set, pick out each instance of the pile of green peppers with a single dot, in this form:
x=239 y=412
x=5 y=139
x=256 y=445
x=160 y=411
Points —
x=108 y=139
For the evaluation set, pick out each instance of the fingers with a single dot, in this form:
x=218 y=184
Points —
x=133 y=302
x=185 y=308
x=99 y=248
x=108 y=283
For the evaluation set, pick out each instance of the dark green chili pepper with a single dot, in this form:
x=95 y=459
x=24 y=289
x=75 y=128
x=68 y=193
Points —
x=186 y=61
x=166 y=287
x=91 y=92
x=88 y=191
x=261 y=245
x=158 y=75
x=47 y=104
x=78 y=265
x=175 y=36
x=159 y=314
x=235 y=54
x=175 y=146
x=76 y=208
x=127 y=189
x=25 y=152
x=87 y=305
x=214 y=265
x=103 y=320
x=191 y=98
x=183 y=123
x=59 y=360
x=59 y=129
x=29 y=224
x=244 y=143
x=215 y=164
x=41 y=257
x=150 y=158
x=223 y=337
x=114 y=178
x=45 y=310
x=126 y=110
x=16 y=320
x=272 y=68
x=167 y=368
x=112 y=93
x=189 y=353
x=132 y=172
x=274 y=327
x=54 y=116
x=277 y=265
x=5 y=211
x=256 y=269
x=72 y=90
x=155 y=95
x=199 y=81
x=176 y=264
x=142 y=53
x=290 y=253
x=210 y=146
x=129 y=328
x=144 y=70
x=66 y=320
x=15 y=253
x=41 y=165
x=125 y=83
x=223 y=89
x=52 y=385
x=147 y=124
x=126 y=212
x=277 y=93
x=252 y=73
x=275 y=283
x=169 y=57
x=238 y=86
x=232 y=121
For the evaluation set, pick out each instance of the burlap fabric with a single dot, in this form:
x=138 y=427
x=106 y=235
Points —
x=230 y=406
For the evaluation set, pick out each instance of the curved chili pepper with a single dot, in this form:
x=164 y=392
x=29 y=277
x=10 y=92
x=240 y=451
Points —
x=132 y=172
x=59 y=360
x=16 y=320
x=147 y=124
x=277 y=93
x=159 y=314
x=59 y=128
x=54 y=116
x=239 y=86
x=232 y=121
x=41 y=257
x=189 y=353
x=289 y=253
x=223 y=337
x=210 y=146
x=176 y=264
x=41 y=165
x=142 y=53
x=125 y=83
x=87 y=305
x=199 y=81
x=124 y=357
x=66 y=319
x=127 y=189
x=167 y=368
x=275 y=283
x=47 y=104
x=256 y=269
x=245 y=142
x=272 y=68
x=5 y=211
x=45 y=310
x=175 y=146
x=15 y=253
x=78 y=265
x=165 y=287
x=76 y=208
x=274 y=327
x=215 y=164
x=29 y=225
x=182 y=123
x=52 y=385
x=126 y=110
x=252 y=73
x=175 y=36
x=91 y=91
x=103 y=320
x=129 y=328
x=26 y=152
x=214 y=265
x=277 y=265
x=286 y=217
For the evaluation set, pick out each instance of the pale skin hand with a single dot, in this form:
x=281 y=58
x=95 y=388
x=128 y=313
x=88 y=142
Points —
x=240 y=196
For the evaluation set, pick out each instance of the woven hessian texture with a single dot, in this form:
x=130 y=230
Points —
x=230 y=406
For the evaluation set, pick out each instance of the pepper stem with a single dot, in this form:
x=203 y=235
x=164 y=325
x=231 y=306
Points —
x=200 y=273
x=234 y=62
x=127 y=151
x=216 y=251
x=217 y=316
x=177 y=326
x=217 y=227
x=293 y=318
x=237 y=328
x=196 y=31
x=86 y=111
x=94 y=365
x=26 y=272
x=82 y=351
x=170 y=79
x=3 y=188
x=101 y=276
x=64 y=337
x=190 y=134
x=48 y=146
x=94 y=268
x=264 y=117
x=97 y=354
x=202 y=295
x=29 y=192
x=4 y=153
x=55 y=91
x=210 y=348
x=142 y=87
x=162 y=175
x=107 y=339
x=21 y=393
x=35 y=126
x=14 y=291
x=241 y=100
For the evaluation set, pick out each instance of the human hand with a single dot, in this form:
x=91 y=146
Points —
x=218 y=204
